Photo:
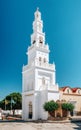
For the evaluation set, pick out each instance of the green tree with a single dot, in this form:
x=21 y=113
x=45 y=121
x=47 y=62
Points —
x=68 y=106
x=2 y=104
x=12 y=101
x=51 y=106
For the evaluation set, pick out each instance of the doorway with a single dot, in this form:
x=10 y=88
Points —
x=30 y=110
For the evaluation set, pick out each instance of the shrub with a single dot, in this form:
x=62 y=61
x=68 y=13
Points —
x=67 y=106
x=50 y=106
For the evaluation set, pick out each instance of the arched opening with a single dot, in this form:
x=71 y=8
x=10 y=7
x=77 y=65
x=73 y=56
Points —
x=34 y=41
x=67 y=90
x=44 y=60
x=40 y=61
x=71 y=113
x=30 y=110
x=40 y=40
x=40 y=58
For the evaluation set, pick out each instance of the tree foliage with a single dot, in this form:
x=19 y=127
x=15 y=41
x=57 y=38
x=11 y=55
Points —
x=13 y=100
x=67 y=106
x=50 y=106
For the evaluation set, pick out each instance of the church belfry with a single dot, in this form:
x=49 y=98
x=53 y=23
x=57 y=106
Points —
x=38 y=36
x=38 y=76
x=38 y=41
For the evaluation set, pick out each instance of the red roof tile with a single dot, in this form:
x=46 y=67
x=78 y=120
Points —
x=64 y=88
x=74 y=90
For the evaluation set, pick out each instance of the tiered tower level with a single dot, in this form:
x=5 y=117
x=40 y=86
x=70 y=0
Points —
x=38 y=77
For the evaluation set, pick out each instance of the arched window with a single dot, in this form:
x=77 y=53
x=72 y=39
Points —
x=37 y=15
x=67 y=90
x=79 y=91
x=34 y=41
x=30 y=110
x=40 y=59
x=44 y=60
x=40 y=40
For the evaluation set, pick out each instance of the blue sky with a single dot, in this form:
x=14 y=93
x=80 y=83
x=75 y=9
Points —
x=62 y=25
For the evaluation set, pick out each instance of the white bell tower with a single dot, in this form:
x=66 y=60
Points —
x=38 y=76
x=38 y=30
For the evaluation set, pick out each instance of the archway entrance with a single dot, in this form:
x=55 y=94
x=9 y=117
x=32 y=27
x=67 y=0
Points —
x=71 y=113
x=30 y=110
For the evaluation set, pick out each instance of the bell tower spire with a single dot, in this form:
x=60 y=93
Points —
x=37 y=15
x=38 y=41
x=38 y=21
x=38 y=37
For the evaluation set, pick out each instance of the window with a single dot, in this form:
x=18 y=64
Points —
x=44 y=60
x=30 y=110
x=78 y=91
x=40 y=40
x=67 y=90
x=39 y=58
x=34 y=42
x=43 y=81
x=37 y=15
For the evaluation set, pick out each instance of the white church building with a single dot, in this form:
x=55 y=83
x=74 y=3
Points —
x=38 y=76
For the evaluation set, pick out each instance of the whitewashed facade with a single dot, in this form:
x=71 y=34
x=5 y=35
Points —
x=38 y=76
